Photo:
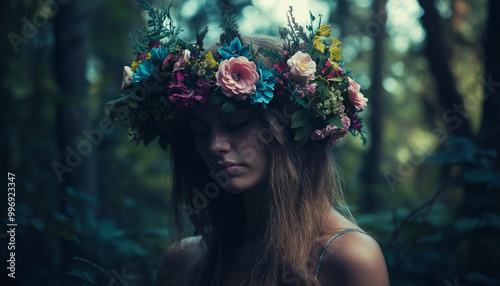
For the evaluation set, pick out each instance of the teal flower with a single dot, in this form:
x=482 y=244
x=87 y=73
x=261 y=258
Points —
x=234 y=50
x=144 y=71
x=158 y=54
x=264 y=86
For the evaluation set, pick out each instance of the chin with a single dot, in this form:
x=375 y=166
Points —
x=239 y=186
x=241 y=183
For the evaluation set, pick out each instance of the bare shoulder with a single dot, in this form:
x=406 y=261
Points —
x=353 y=259
x=177 y=261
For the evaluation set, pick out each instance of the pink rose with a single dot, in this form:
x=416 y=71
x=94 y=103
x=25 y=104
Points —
x=127 y=78
x=355 y=96
x=237 y=76
x=181 y=63
x=302 y=67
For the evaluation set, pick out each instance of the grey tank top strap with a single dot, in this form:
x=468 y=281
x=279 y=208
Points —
x=330 y=241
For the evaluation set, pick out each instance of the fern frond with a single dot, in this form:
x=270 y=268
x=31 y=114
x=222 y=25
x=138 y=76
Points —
x=230 y=29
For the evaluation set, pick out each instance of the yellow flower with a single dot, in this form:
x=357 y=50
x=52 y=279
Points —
x=324 y=31
x=318 y=44
x=335 y=65
x=148 y=57
x=334 y=50
x=209 y=58
x=135 y=65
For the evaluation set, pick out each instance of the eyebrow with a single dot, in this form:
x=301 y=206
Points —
x=197 y=118
x=194 y=118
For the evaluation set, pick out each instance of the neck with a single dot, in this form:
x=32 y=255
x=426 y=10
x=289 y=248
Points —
x=256 y=211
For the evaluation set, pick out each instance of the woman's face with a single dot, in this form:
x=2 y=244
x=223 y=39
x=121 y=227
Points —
x=234 y=149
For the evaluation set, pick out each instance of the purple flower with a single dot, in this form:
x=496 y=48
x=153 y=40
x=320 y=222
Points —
x=154 y=44
x=281 y=67
x=333 y=73
x=205 y=87
x=317 y=135
x=332 y=131
x=355 y=124
x=185 y=100
x=176 y=85
x=310 y=88
x=140 y=57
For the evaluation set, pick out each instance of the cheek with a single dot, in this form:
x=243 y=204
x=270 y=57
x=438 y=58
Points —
x=202 y=150
x=264 y=161
x=255 y=151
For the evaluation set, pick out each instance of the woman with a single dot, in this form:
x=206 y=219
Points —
x=248 y=134
x=274 y=221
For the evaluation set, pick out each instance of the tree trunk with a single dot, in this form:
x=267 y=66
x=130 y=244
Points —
x=438 y=51
x=489 y=134
x=371 y=172
x=5 y=96
x=339 y=17
x=71 y=31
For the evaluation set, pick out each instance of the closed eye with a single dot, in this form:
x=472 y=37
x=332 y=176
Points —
x=199 y=128
x=203 y=132
x=236 y=125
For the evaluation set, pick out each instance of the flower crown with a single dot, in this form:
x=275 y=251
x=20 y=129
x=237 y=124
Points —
x=170 y=76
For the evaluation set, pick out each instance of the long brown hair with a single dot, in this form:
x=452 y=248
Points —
x=303 y=189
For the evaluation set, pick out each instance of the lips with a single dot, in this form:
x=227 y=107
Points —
x=231 y=168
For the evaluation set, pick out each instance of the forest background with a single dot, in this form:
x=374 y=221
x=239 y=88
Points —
x=89 y=205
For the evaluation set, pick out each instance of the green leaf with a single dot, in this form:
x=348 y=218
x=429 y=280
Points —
x=228 y=108
x=77 y=258
x=337 y=79
x=23 y=211
x=37 y=223
x=63 y=231
x=116 y=107
x=119 y=101
x=69 y=224
x=328 y=70
x=304 y=132
x=467 y=224
x=78 y=273
x=302 y=142
x=319 y=111
x=215 y=99
x=344 y=85
x=163 y=142
x=320 y=79
x=337 y=122
x=481 y=278
x=150 y=132
x=300 y=118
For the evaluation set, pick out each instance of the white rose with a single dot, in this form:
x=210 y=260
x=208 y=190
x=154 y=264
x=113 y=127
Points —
x=127 y=78
x=302 y=67
x=179 y=65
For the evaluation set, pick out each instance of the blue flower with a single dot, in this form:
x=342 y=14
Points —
x=234 y=50
x=144 y=71
x=264 y=86
x=158 y=54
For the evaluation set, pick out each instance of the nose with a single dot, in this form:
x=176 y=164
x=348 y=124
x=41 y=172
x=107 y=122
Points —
x=219 y=142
